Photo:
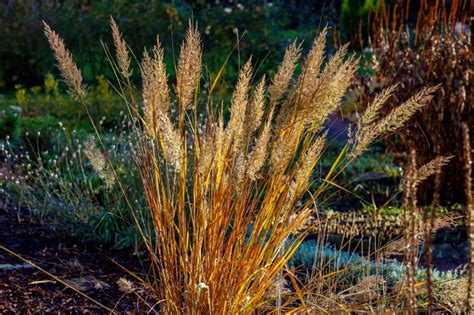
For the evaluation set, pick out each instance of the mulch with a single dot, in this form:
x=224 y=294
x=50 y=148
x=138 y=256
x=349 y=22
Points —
x=25 y=289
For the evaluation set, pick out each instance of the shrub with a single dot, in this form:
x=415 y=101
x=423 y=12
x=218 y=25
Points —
x=438 y=52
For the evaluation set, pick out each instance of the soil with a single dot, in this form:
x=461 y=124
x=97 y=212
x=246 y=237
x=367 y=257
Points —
x=89 y=267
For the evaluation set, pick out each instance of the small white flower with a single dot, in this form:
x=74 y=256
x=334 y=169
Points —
x=202 y=285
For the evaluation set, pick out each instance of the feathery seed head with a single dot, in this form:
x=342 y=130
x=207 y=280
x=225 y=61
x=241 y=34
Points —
x=258 y=156
x=257 y=106
x=393 y=121
x=188 y=73
x=98 y=162
x=156 y=98
x=430 y=168
x=253 y=113
x=283 y=77
x=307 y=81
x=309 y=159
x=172 y=141
x=69 y=71
x=123 y=59
x=373 y=109
x=235 y=128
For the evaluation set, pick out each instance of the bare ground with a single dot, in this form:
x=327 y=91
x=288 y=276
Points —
x=89 y=267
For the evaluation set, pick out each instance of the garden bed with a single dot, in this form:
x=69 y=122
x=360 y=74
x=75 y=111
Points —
x=89 y=267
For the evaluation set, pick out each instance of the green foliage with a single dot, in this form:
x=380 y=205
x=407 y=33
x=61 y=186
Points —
x=41 y=108
x=51 y=84
x=354 y=17
x=56 y=176
x=39 y=133
x=358 y=9
x=384 y=211
x=40 y=123
x=372 y=178
x=266 y=27
x=20 y=96
x=9 y=122
x=374 y=160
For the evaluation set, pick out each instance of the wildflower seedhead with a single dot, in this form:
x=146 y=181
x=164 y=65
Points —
x=99 y=163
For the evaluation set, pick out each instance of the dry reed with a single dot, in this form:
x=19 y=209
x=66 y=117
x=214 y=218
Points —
x=470 y=214
x=411 y=243
x=436 y=51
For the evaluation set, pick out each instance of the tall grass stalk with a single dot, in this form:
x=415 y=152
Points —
x=470 y=214
x=411 y=219
x=429 y=219
x=222 y=193
x=414 y=233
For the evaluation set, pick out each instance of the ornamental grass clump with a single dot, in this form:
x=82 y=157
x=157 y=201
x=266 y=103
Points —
x=222 y=193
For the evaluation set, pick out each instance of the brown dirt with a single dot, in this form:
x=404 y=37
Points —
x=29 y=290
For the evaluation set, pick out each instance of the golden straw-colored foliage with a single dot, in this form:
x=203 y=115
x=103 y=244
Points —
x=222 y=194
